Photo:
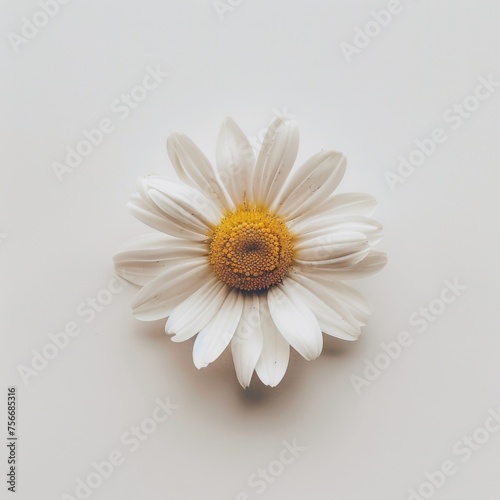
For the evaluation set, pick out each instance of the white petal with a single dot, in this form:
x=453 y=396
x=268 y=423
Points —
x=349 y=204
x=335 y=249
x=184 y=199
x=194 y=313
x=328 y=225
x=273 y=361
x=144 y=208
x=193 y=168
x=148 y=255
x=327 y=285
x=170 y=288
x=246 y=345
x=219 y=331
x=349 y=297
x=346 y=301
x=330 y=320
x=314 y=181
x=275 y=160
x=343 y=204
x=235 y=162
x=372 y=263
x=295 y=321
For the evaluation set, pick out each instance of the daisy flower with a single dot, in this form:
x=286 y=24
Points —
x=252 y=254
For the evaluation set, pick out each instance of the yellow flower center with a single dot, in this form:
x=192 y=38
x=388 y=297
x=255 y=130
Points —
x=251 y=249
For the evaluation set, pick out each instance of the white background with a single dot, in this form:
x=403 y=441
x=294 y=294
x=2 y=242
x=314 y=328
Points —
x=57 y=240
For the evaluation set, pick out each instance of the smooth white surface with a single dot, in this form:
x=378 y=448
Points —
x=442 y=223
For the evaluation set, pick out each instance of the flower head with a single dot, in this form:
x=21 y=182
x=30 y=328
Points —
x=252 y=254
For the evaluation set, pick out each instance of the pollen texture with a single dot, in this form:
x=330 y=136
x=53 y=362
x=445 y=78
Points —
x=251 y=249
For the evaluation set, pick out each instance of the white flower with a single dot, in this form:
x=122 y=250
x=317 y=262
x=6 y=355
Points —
x=252 y=254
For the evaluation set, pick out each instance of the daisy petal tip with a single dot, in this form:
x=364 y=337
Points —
x=243 y=379
x=173 y=138
x=123 y=274
x=176 y=338
x=383 y=258
x=353 y=339
x=312 y=355
x=287 y=124
x=138 y=315
x=272 y=381
x=228 y=121
x=341 y=159
x=200 y=364
x=130 y=205
x=243 y=383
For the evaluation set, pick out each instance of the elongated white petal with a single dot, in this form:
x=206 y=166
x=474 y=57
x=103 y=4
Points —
x=147 y=210
x=348 y=303
x=144 y=209
x=275 y=160
x=314 y=181
x=295 y=321
x=148 y=255
x=327 y=226
x=193 y=168
x=337 y=249
x=183 y=199
x=330 y=320
x=349 y=204
x=157 y=299
x=194 y=313
x=327 y=286
x=273 y=361
x=372 y=263
x=246 y=345
x=348 y=296
x=235 y=161
x=344 y=204
x=219 y=331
